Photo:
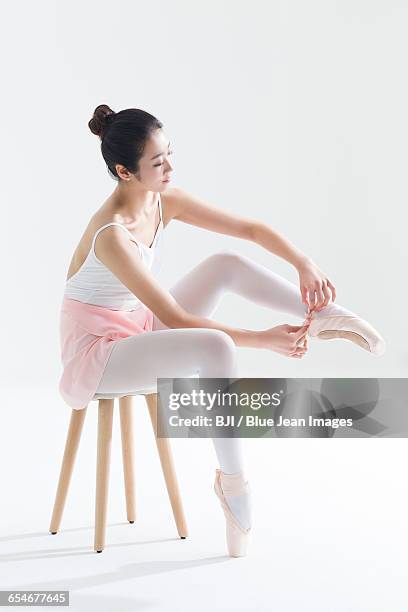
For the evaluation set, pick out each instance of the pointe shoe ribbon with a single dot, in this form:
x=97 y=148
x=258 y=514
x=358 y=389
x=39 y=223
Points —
x=348 y=327
x=237 y=536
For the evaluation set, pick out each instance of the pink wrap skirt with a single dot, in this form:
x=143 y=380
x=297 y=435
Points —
x=88 y=334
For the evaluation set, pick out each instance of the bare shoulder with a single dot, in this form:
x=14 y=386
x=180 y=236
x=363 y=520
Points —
x=172 y=201
x=111 y=238
x=106 y=214
x=100 y=218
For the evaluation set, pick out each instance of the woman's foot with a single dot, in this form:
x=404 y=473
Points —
x=234 y=493
x=329 y=324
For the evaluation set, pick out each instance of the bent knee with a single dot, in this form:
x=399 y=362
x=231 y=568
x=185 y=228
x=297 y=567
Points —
x=227 y=255
x=222 y=340
x=218 y=344
x=217 y=354
x=226 y=263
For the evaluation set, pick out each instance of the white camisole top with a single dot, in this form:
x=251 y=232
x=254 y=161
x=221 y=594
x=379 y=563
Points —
x=95 y=284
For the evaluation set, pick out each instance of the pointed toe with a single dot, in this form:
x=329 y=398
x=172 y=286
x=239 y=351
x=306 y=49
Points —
x=348 y=327
x=238 y=538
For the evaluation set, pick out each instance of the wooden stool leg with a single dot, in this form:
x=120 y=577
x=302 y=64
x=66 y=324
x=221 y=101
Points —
x=126 y=428
x=167 y=464
x=105 y=417
x=71 y=447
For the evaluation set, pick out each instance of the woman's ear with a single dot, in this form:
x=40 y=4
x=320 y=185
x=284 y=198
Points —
x=123 y=172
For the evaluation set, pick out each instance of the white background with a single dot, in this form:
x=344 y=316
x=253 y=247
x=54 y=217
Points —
x=293 y=113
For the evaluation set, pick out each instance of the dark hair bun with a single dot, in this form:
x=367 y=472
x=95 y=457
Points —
x=101 y=117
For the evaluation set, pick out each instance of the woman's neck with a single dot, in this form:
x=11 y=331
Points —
x=133 y=202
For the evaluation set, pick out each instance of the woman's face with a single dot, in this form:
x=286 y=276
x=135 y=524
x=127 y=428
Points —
x=154 y=167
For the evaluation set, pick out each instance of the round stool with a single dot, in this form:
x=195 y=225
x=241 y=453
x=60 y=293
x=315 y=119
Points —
x=105 y=417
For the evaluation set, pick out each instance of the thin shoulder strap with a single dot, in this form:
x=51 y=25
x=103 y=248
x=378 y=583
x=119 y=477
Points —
x=107 y=225
x=160 y=207
x=103 y=227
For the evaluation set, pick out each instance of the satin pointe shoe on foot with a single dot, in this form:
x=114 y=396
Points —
x=348 y=327
x=238 y=538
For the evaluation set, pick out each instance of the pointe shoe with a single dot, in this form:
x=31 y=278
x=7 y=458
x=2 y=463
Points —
x=348 y=327
x=238 y=538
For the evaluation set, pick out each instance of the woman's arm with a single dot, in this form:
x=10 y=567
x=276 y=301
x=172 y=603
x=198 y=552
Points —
x=315 y=287
x=276 y=243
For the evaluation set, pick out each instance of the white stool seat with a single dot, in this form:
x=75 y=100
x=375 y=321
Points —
x=98 y=396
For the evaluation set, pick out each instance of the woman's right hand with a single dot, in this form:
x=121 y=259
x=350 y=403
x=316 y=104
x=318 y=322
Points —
x=288 y=340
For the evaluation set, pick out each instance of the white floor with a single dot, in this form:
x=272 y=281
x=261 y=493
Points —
x=329 y=522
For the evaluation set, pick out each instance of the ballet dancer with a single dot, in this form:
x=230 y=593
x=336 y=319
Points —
x=120 y=329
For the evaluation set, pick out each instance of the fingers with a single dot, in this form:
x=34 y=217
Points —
x=312 y=299
x=319 y=296
x=301 y=331
x=295 y=328
x=332 y=289
x=322 y=295
x=300 y=347
x=326 y=295
x=304 y=295
x=303 y=346
x=299 y=344
x=298 y=355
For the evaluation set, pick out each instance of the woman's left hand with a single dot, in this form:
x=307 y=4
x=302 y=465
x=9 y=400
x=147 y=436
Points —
x=315 y=287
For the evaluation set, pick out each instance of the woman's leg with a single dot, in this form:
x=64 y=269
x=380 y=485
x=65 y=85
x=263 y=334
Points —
x=137 y=361
x=200 y=290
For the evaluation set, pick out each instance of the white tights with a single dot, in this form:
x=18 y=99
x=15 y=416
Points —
x=136 y=361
